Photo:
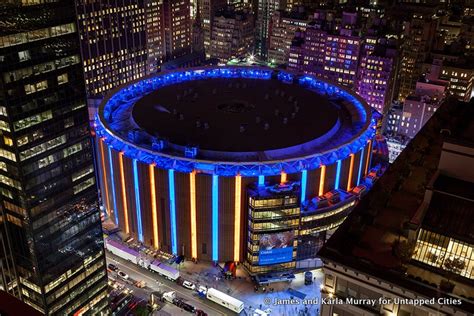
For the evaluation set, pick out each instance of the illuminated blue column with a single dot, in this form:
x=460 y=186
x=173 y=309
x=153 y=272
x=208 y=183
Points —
x=174 y=244
x=137 y=200
x=360 y=165
x=338 y=175
x=215 y=217
x=112 y=184
x=304 y=177
x=261 y=181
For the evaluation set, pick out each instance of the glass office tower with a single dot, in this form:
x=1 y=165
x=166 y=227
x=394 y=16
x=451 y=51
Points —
x=51 y=248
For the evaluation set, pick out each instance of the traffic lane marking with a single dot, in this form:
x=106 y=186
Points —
x=167 y=286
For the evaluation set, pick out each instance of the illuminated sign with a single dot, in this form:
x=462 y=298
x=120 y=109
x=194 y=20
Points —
x=276 y=248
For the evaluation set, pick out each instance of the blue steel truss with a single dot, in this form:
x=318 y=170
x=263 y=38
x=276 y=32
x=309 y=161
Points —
x=109 y=126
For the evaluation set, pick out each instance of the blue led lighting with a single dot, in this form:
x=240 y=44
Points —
x=261 y=180
x=304 y=178
x=112 y=184
x=215 y=217
x=174 y=244
x=122 y=100
x=338 y=175
x=137 y=200
x=360 y=165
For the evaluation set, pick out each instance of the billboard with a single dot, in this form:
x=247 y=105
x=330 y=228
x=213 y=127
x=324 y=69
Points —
x=276 y=248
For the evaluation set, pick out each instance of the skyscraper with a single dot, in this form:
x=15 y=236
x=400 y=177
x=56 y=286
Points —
x=114 y=41
x=52 y=253
x=265 y=10
x=282 y=31
x=208 y=9
x=176 y=28
x=375 y=78
x=232 y=34
x=417 y=43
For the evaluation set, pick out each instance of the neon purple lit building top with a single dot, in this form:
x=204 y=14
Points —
x=235 y=120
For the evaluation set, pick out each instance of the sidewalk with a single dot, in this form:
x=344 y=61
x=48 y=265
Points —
x=242 y=288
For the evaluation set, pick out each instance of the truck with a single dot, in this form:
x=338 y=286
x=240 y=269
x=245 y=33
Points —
x=164 y=270
x=225 y=300
x=169 y=297
x=121 y=250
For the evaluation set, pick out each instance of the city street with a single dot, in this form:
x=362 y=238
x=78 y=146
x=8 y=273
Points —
x=241 y=288
x=156 y=282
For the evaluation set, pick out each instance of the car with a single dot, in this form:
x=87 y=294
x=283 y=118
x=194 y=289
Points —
x=112 y=267
x=200 y=313
x=189 y=285
x=123 y=275
x=202 y=289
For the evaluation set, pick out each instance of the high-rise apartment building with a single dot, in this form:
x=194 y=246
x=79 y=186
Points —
x=375 y=79
x=282 y=31
x=208 y=9
x=418 y=108
x=327 y=54
x=114 y=42
x=265 y=11
x=232 y=34
x=460 y=75
x=122 y=41
x=177 y=28
x=52 y=253
x=418 y=36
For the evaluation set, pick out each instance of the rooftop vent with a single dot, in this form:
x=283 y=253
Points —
x=190 y=152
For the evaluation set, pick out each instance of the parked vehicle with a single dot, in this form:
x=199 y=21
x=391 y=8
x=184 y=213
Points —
x=112 y=267
x=225 y=300
x=140 y=284
x=189 y=285
x=164 y=270
x=122 y=251
x=123 y=275
x=202 y=290
x=308 y=278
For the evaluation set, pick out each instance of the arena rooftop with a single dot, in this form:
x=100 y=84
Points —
x=234 y=120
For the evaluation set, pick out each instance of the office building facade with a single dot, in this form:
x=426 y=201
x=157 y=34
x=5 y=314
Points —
x=50 y=220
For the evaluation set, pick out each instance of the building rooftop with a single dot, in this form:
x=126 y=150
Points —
x=276 y=190
x=234 y=120
x=451 y=215
x=365 y=240
x=12 y=306
x=236 y=112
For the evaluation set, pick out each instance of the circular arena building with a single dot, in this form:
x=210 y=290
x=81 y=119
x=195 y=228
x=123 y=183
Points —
x=249 y=165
